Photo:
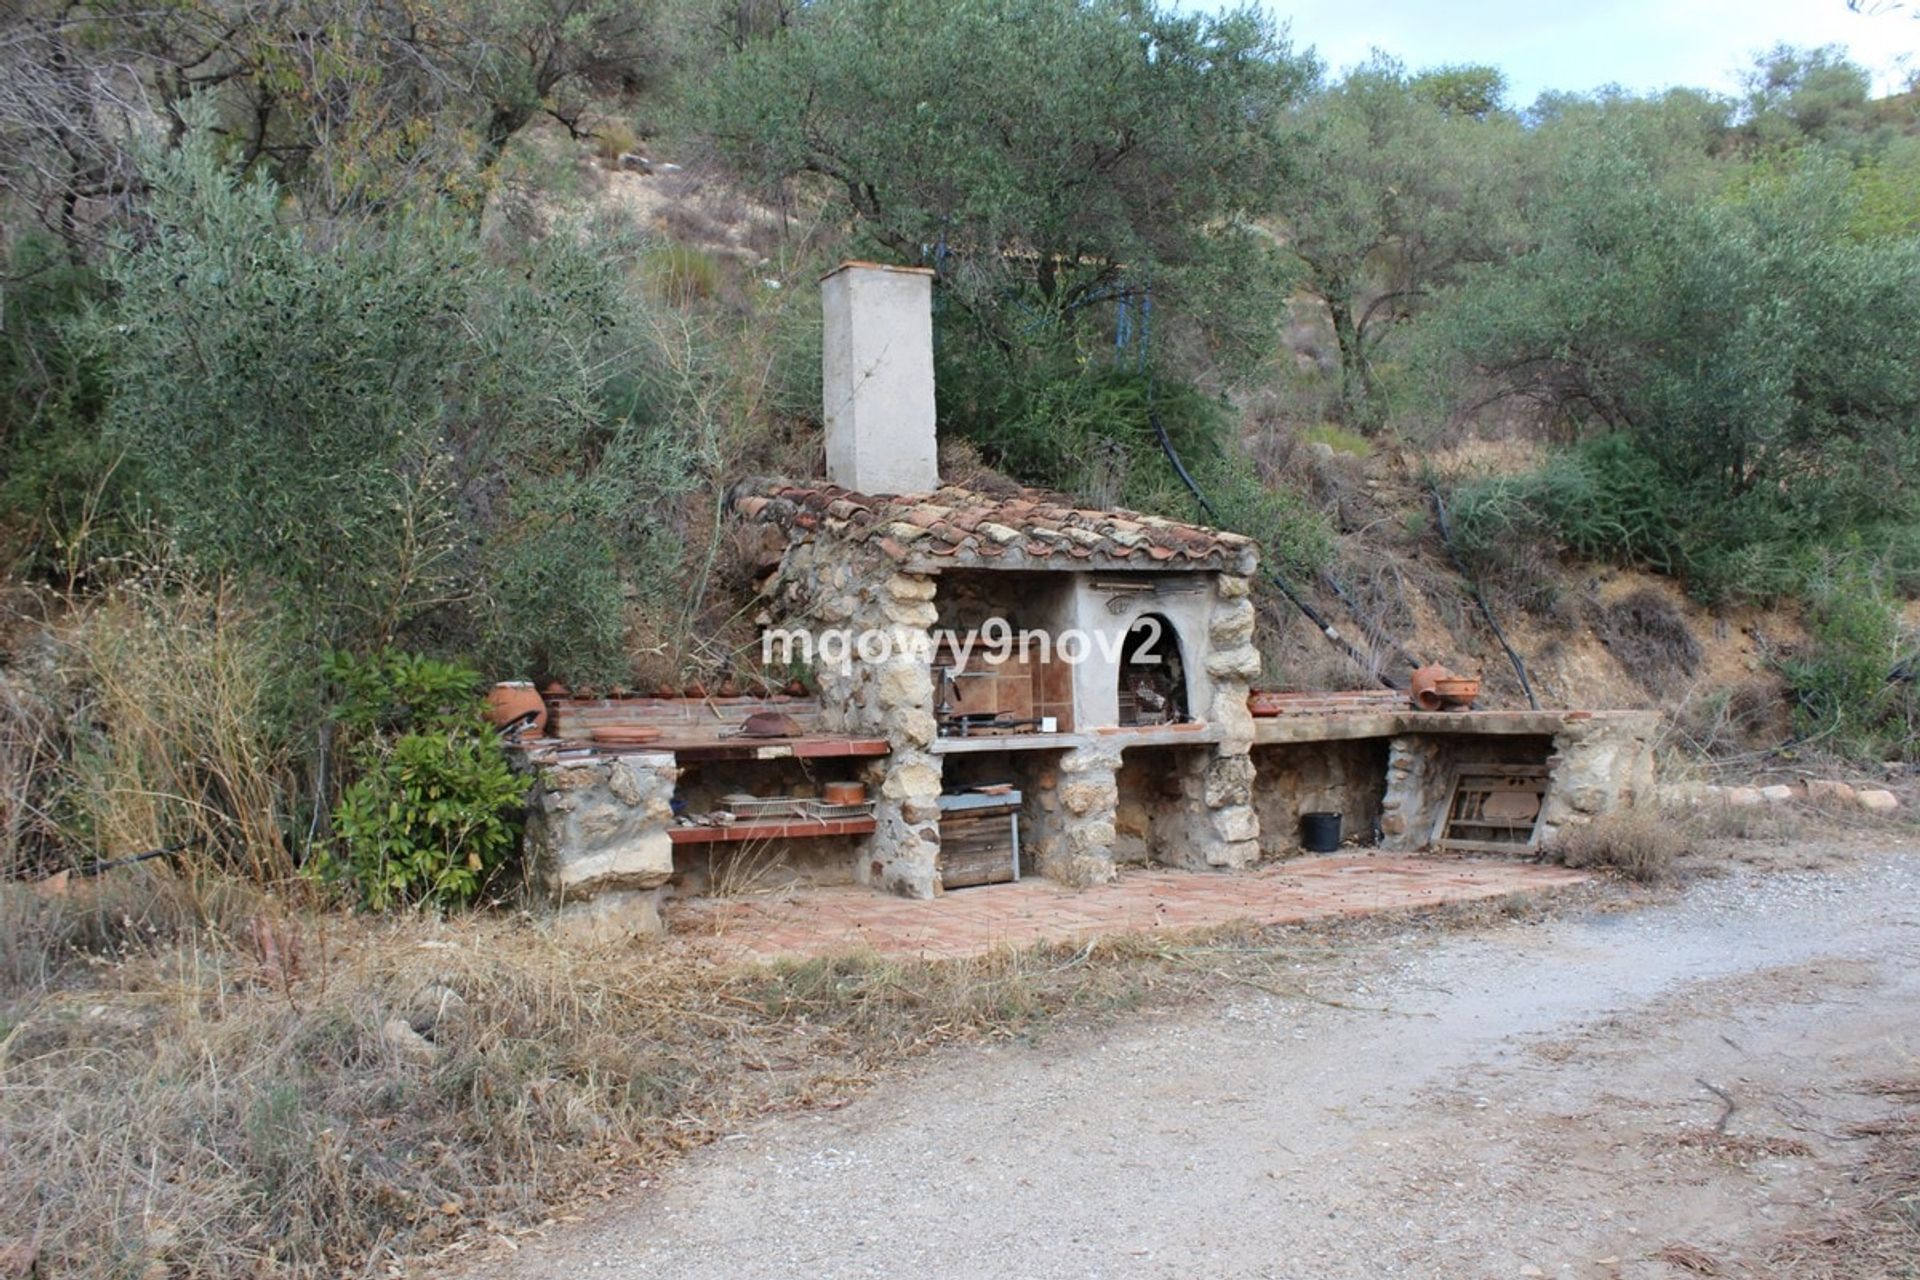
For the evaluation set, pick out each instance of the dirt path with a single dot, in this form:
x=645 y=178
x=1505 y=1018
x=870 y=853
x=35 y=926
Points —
x=1522 y=1101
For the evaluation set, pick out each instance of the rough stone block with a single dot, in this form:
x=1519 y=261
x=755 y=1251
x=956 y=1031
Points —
x=911 y=613
x=911 y=781
x=639 y=862
x=916 y=726
x=1826 y=791
x=1090 y=837
x=1242 y=663
x=1878 y=800
x=1084 y=795
x=1234 y=856
x=903 y=683
x=1229 y=781
x=908 y=586
x=1237 y=824
x=1231 y=624
x=611 y=917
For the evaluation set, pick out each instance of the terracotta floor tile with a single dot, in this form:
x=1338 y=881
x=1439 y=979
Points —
x=966 y=922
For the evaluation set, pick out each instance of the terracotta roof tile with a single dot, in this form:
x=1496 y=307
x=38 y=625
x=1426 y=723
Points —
x=960 y=525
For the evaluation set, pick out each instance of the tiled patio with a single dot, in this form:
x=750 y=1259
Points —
x=972 y=921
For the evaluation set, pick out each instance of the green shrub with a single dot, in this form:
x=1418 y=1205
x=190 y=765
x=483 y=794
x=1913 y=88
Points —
x=1741 y=354
x=1848 y=690
x=385 y=424
x=432 y=815
x=1054 y=415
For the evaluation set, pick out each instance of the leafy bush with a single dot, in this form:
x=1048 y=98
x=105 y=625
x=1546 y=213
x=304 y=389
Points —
x=432 y=815
x=66 y=495
x=1055 y=151
x=1090 y=427
x=1742 y=359
x=1055 y=415
x=387 y=427
x=1852 y=690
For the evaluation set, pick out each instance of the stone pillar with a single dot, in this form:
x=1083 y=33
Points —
x=1229 y=836
x=1082 y=852
x=896 y=698
x=1407 y=809
x=1599 y=765
x=597 y=843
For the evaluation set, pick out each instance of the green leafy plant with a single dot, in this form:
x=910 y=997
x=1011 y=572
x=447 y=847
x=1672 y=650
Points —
x=1852 y=690
x=432 y=815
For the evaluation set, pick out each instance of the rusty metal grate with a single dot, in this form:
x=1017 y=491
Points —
x=1494 y=808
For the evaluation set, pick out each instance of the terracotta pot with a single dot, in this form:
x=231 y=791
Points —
x=1458 y=691
x=845 y=793
x=511 y=699
x=1261 y=703
x=1422 y=687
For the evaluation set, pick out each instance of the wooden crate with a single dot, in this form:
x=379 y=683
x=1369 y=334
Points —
x=979 y=846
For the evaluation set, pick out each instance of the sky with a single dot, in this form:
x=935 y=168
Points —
x=1640 y=44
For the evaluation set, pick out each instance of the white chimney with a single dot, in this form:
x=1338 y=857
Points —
x=877 y=378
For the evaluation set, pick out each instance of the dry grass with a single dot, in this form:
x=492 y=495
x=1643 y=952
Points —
x=202 y=1083
x=1773 y=823
x=29 y=753
x=170 y=680
x=1649 y=637
x=205 y=1084
x=1641 y=844
x=1875 y=1233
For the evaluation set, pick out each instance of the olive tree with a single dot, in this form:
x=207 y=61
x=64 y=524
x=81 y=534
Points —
x=1742 y=353
x=1042 y=155
x=391 y=431
x=1401 y=181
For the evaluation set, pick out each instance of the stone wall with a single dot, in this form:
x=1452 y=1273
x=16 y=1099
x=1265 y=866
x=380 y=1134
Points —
x=597 y=842
x=1348 y=778
x=851 y=587
x=1603 y=763
x=1597 y=763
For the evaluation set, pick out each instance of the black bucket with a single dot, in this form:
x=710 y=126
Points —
x=1320 y=832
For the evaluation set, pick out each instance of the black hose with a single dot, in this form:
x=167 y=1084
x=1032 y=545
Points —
x=1312 y=614
x=1473 y=587
x=95 y=868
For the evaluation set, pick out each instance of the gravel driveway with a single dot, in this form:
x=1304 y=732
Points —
x=1525 y=1100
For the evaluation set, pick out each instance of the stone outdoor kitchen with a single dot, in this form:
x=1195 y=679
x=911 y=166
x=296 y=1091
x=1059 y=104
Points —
x=1118 y=727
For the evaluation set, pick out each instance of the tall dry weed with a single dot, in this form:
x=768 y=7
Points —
x=30 y=757
x=171 y=744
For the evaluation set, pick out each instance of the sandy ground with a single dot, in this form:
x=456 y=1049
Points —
x=1520 y=1101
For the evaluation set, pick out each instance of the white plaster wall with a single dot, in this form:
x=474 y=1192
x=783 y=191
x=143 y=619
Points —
x=1096 y=682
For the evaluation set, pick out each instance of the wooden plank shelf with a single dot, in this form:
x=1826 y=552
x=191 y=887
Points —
x=786 y=829
x=695 y=750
